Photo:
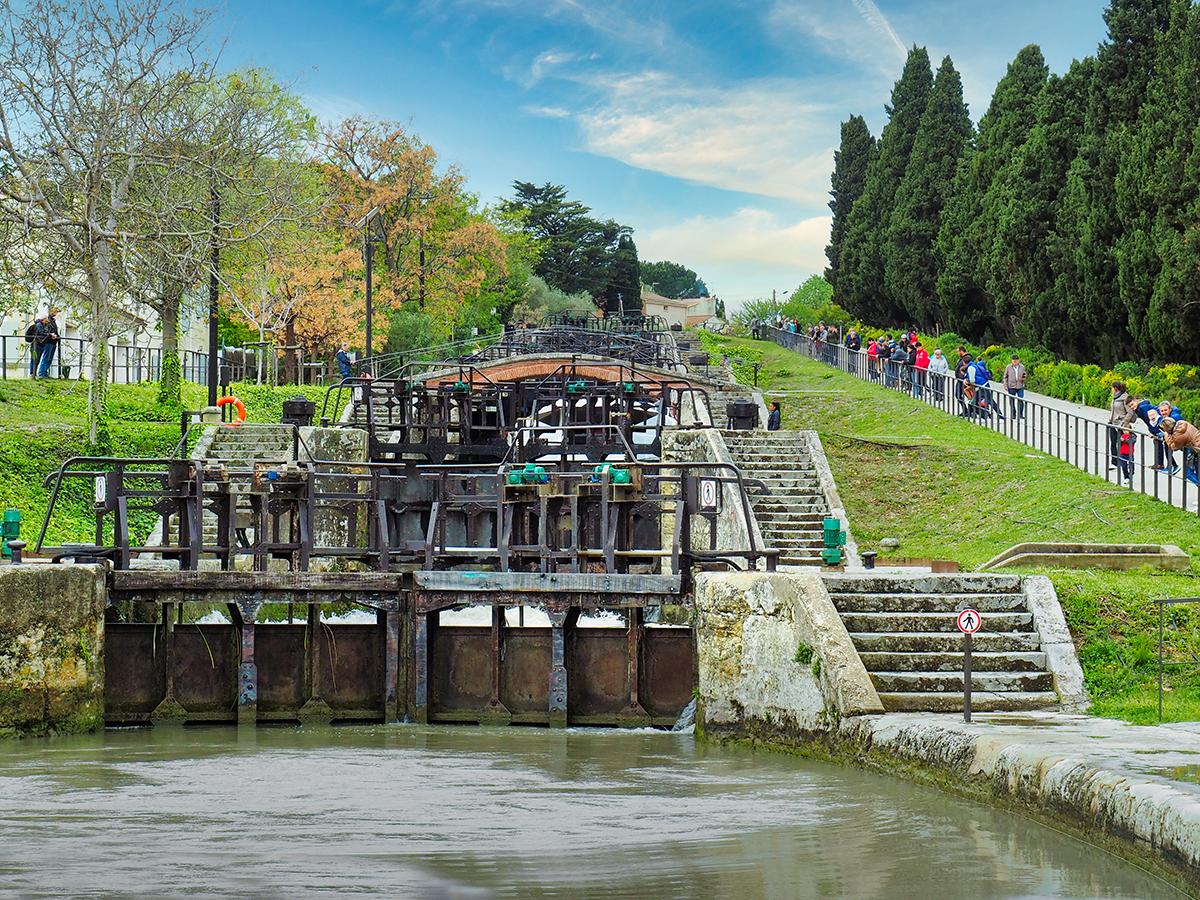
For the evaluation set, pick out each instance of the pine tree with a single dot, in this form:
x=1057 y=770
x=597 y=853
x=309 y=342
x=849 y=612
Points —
x=1032 y=255
x=625 y=276
x=1122 y=72
x=912 y=258
x=850 y=165
x=972 y=213
x=861 y=270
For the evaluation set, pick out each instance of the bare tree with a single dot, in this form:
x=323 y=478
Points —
x=94 y=96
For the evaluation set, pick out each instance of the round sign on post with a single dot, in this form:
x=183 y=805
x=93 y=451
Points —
x=969 y=621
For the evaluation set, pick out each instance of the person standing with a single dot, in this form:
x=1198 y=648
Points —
x=1014 y=383
x=1166 y=410
x=345 y=364
x=48 y=334
x=939 y=368
x=1119 y=420
x=35 y=347
x=774 y=417
x=1183 y=436
x=921 y=370
x=853 y=345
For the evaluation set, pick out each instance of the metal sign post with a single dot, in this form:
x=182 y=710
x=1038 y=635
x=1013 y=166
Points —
x=968 y=623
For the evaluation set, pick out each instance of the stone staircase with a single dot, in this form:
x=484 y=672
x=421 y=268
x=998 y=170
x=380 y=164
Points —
x=791 y=516
x=907 y=636
x=718 y=399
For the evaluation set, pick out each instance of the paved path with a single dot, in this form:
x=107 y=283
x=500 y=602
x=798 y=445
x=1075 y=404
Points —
x=1072 y=432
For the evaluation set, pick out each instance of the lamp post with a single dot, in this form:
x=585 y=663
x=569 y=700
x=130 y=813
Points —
x=367 y=223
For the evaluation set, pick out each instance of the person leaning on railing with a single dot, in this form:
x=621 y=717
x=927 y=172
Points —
x=1186 y=437
x=1119 y=420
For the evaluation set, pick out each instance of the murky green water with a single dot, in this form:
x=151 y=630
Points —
x=410 y=811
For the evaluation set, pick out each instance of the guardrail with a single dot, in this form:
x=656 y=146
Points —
x=1092 y=446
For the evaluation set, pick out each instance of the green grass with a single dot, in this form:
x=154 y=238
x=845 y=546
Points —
x=951 y=490
x=43 y=424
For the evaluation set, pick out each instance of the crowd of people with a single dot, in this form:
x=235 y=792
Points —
x=902 y=363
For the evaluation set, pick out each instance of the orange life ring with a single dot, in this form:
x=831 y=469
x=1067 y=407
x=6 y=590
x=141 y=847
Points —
x=238 y=405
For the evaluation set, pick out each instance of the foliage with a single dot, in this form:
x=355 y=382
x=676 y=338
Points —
x=668 y=279
x=432 y=246
x=850 y=163
x=861 y=277
x=912 y=258
x=541 y=300
x=578 y=253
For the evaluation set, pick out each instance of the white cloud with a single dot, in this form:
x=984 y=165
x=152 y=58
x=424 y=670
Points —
x=853 y=29
x=752 y=248
x=768 y=137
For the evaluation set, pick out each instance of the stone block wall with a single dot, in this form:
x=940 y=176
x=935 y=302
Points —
x=51 y=648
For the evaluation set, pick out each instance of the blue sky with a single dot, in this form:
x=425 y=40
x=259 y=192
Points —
x=709 y=127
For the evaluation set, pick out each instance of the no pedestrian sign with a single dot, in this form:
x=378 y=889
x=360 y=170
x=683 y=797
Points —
x=969 y=621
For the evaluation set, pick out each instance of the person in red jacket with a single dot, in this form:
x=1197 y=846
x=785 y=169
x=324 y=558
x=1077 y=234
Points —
x=921 y=371
x=873 y=359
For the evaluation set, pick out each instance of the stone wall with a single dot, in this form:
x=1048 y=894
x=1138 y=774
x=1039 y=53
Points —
x=734 y=528
x=773 y=654
x=51 y=648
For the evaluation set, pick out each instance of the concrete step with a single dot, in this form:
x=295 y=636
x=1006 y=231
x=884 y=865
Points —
x=1007 y=701
x=931 y=622
x=953 y=662
x=943 y=603
x=952 y=682
x=944 y=642
x=906 y=584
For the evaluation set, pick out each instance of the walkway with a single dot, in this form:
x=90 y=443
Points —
x=1072 y=432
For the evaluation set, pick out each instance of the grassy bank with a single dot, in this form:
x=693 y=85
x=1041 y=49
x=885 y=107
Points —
x=949 y=490
x=44 y=423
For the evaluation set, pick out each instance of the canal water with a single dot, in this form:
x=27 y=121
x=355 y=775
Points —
x=411 y=811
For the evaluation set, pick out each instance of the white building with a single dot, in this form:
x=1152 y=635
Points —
x=684 y=313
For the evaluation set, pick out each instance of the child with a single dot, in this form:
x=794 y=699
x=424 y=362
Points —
x=1125 y=455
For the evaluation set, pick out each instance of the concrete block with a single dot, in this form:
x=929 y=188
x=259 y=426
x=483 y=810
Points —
x=51 y=648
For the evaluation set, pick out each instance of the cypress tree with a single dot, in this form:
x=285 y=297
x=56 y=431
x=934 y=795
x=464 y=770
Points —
x=850 y=164
x=861 y=275
x=1158 y=200
x=1032 y=255
x=913 y=260
x=972 y=214
x=1124 y=64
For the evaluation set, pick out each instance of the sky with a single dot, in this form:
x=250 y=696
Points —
x=708 y=127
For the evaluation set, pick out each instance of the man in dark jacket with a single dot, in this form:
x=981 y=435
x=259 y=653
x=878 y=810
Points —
x=853 y=345
x=47 y=338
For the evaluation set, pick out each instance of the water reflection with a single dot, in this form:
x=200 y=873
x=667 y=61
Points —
x=466 y=812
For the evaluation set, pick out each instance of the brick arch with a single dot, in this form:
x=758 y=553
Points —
x=527 y=369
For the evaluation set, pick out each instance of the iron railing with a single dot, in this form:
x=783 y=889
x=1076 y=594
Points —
x=1080 y=440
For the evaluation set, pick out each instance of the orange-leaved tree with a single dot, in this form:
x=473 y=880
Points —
x=433 y=247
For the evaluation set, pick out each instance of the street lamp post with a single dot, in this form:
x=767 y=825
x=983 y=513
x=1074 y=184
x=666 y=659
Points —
x=367 y=223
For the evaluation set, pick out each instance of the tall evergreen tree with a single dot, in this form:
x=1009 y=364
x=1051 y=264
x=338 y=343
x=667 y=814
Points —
x=972 y=213
x=1124 y=64
x=625 y=294
x=1157 y=198
x=861 y=265
x=850 y=164
x=1032 y=257
x=911 y=255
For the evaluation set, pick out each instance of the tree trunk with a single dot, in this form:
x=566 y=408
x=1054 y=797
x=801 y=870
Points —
x=289 y=359
x=262 y=351
x=169 y=384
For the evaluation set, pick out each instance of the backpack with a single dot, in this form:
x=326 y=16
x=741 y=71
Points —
x=982 y=377
x=31 y=332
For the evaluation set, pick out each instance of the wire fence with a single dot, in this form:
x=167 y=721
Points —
x=1140 y=462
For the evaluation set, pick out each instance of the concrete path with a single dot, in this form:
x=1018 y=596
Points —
x=1072 y=432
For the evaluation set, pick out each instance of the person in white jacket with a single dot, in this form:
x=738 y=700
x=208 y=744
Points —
x=939 y=367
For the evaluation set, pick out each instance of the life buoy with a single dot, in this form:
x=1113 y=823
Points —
x=238 y=405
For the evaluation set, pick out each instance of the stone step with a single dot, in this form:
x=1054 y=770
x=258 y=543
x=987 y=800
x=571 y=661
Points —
x=952 y=682
x=944 y=642
x=985 y=701
x=785 y=542
x=953 y=662
x=931 y=622
x=928 y=584
x=944 y=603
